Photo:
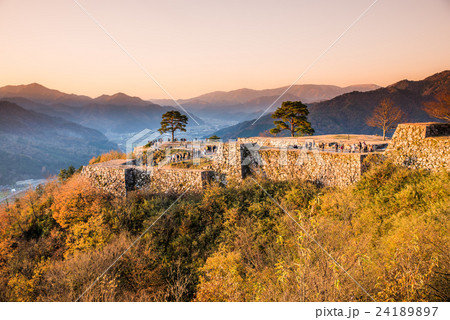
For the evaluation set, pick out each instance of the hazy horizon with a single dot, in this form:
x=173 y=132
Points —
x=186 y=98
x=192 y=48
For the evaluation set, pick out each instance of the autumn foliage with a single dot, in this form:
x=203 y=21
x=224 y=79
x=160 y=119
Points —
x=440 y=108
x=112 y=155
x=389 y=232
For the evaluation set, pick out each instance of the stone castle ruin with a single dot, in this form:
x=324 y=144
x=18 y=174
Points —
x=421 y=145
x=415 y=145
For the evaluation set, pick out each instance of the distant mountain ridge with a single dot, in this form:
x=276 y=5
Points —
x=220 y=103
x=34 y=145
x=118 y=113
x=347 y=113
x=121 y=99
x=41 y=94
x=139 y=114
x=38 y=93
x=309 y=93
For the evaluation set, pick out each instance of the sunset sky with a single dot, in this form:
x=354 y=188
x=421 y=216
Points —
x=194 y=47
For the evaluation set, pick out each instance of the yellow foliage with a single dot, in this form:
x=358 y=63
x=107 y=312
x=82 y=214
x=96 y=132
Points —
x=75 y=201
x=222 y=279
x=78 y=207
x=111 y=155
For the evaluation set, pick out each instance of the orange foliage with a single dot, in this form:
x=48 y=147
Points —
x=111 y=155
x=389 y=231
x=223 y=279
x=78 y=207
x=439 y=109
x=76 y=200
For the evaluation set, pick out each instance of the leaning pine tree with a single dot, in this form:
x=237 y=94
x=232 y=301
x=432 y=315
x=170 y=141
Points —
x=173 y=121
x=293 y=115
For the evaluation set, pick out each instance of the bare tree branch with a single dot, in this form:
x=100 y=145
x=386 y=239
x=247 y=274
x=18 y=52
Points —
x=386 y=116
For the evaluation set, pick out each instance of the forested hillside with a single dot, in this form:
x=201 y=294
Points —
x=35 y=145
x=233 y=243
x=348 y=112
x=242 y=103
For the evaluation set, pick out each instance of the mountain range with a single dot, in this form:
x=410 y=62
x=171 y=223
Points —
x=121 y=114
x=347 y=113
x=246 y=103
x=35 y=145
x=117 y=114
x=41 y=94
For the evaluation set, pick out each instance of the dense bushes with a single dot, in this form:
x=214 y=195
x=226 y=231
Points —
x=389 y=232
x=111 y=155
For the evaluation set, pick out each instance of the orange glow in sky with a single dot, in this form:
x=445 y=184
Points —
x=198 y=46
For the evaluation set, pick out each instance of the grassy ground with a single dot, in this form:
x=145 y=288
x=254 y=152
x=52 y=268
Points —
x=189 y=164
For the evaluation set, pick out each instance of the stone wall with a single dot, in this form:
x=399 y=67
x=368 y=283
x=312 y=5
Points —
x=282 y=142
x=233 y=161
x=115 y=178
x=119 y=177
x=178 y=180
x=227 y=161
x=323 y=168
x=247 y=156
x=421 y=145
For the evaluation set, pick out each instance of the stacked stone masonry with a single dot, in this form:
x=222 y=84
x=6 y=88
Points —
x=178 y=180
x=114 y=176
x=119 y=177
x=323 y=168
x=227 y=162
x=423 y=145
